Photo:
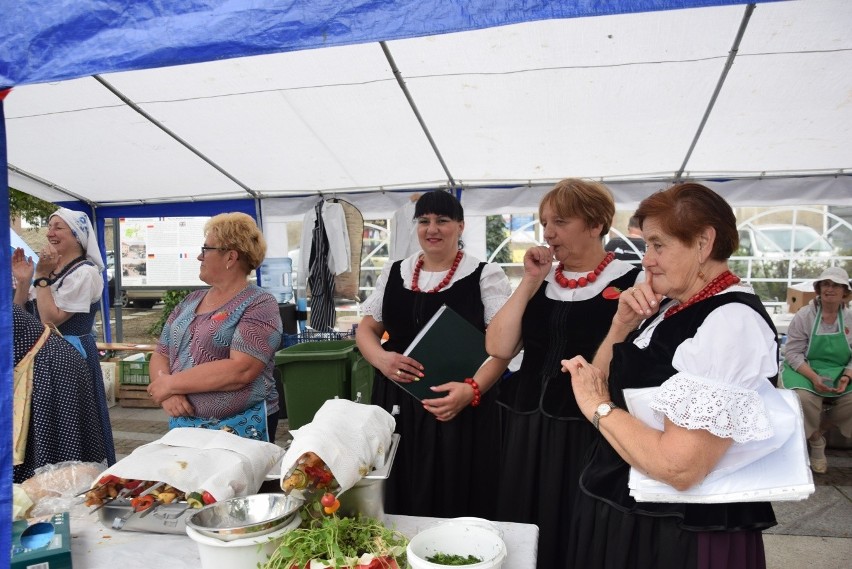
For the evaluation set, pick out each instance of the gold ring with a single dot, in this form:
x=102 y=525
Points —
x=633 y=292
x=398 y=372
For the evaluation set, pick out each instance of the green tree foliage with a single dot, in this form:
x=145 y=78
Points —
x=171 y=299
x=29 y=208
x=495 y=233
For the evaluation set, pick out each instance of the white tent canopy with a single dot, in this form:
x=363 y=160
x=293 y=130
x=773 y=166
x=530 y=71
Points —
x=621 y=98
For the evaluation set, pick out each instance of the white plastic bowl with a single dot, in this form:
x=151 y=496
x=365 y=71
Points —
x=244 y=553
x=457 y=538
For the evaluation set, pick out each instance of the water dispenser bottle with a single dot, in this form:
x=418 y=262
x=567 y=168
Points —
x=276 y=278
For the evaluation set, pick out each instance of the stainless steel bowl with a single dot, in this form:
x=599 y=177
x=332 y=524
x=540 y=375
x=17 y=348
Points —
x=245 y=516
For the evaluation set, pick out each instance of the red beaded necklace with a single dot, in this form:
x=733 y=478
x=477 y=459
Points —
x=565 y=282
x=416 y=276
x=715 y=286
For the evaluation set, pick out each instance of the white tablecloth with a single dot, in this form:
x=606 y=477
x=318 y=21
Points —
x=94 y=546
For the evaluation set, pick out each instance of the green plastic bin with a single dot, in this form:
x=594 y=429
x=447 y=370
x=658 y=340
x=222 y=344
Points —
x=361 y=377
x=314 y=372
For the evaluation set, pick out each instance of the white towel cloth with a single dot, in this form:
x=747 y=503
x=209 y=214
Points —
x=192 y=460
x=351 y=438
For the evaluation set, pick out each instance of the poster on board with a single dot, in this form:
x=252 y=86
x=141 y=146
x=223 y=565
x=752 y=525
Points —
x=161 y=251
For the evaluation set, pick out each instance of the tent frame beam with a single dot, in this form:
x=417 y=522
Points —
x=126 y=100
x=729 y=62
x=401 y=82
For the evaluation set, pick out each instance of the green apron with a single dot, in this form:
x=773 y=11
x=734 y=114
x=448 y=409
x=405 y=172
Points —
x=824 y=351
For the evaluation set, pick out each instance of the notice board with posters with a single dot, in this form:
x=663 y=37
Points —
x=161 y=251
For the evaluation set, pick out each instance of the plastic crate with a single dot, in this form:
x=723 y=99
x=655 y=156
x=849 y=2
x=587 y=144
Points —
x=134 y=370
x=312 y=373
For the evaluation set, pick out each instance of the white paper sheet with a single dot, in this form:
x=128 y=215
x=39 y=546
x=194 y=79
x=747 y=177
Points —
x=775 y=469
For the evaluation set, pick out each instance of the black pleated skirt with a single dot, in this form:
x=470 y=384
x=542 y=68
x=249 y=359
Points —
x=441 y=469
x=539 y=478
x=607 y=538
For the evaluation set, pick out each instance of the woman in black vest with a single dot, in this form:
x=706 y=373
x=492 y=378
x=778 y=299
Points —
x=449 y=448
x=709 y=348
x=558 y=311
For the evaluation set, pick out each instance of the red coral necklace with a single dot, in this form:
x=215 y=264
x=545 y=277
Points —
x=565 y=282
x=715 y=286
x=419 y=265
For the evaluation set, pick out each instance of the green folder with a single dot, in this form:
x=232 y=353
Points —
x=450 y=349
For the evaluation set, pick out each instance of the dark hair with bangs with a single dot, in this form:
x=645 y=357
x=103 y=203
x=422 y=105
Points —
x=439 y=202
x=684 y=210
x=585 y=199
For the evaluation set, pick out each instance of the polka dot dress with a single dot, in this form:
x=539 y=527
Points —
x=64 y=419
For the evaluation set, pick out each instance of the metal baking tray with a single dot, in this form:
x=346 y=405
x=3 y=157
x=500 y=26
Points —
x=167 y=518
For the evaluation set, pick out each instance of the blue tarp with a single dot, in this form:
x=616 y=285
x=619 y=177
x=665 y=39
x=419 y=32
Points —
x=51 y=40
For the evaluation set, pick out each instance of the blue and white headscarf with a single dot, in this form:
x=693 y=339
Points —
x=82 y=229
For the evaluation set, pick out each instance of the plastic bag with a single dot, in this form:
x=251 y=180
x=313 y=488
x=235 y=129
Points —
x=21 y=503
x=56 y=488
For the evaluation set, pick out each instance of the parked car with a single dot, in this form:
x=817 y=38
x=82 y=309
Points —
x=773 y=257
x=783 y=241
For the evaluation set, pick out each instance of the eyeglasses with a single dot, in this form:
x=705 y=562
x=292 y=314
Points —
x=205 y=248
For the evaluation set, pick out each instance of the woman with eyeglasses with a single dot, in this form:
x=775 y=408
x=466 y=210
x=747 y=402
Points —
x=214 y=361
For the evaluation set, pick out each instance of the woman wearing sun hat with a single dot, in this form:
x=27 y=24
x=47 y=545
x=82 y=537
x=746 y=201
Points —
x=817 y=361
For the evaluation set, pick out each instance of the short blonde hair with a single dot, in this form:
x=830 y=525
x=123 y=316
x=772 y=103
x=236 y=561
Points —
x=586 y=199
x=238 y=231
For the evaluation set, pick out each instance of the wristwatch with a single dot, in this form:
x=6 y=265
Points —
x=602 y=411
x=42 y=282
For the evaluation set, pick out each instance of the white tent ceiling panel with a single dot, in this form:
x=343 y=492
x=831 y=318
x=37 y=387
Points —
x=554 y=98
x=109 y=154
x=545 y=125
x=779 y=108
x=619 y=40
x=350 y=65
x=779 y=115
x=297 y=141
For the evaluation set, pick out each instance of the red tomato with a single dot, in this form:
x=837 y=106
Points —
x=327 y=499
x=108 y=479
x=142 y=503
x=207 y=498
x=319 y=475
x=333 y=508
x=611 y=293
